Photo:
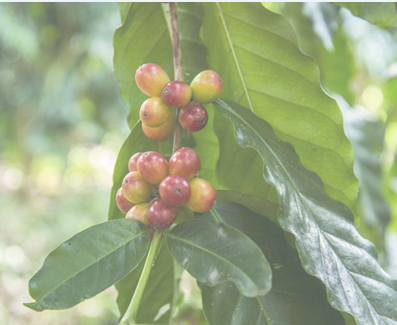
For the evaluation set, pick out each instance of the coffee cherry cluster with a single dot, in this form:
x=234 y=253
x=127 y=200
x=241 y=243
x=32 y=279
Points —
x=156 y=114
x=155 y=191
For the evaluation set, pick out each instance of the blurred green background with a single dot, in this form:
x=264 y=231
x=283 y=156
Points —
x=62 y=123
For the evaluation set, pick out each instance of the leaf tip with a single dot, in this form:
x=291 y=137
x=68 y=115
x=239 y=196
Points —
x=34 y=306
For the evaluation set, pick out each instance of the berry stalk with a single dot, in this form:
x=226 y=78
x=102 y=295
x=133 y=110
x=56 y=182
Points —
x=178 y=70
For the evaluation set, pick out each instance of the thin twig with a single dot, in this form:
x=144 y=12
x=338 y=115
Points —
x=178 y=70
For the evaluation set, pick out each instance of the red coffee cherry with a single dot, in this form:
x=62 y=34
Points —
x=184 y=162
x=136 y=189
x=139 y=212
x=175 y=190
x=153 y=167
x=151 y=79
x=161 y=215
x=154 y=112
x=132 y=163
x=122 y=203
x=176 y=93
x=206 y=87
x=203 y=195
x=162 y=132
x=193 y=117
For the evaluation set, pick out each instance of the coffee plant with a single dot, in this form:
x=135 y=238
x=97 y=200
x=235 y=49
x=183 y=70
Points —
x=237 y=170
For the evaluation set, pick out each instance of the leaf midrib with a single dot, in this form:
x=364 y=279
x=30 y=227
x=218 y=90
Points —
x=221 y=16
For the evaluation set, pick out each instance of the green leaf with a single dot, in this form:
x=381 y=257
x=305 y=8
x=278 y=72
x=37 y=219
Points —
x=329 y=245
x=256 y=54
x=254 y=203
x=135 y=142
x=295 y=298
x=158 y=291
x=383 y=14
x=88 y=263
x=214 y=253
x=142 y=38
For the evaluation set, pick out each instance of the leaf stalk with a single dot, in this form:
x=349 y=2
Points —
x=130 y=315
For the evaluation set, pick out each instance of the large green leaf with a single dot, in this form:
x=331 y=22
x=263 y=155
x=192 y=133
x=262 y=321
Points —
x=295 y=298
x=158 y=291
x=329 y=245
x=88 y=263
x=255 y=52
x=214 y=253
x=383 y=14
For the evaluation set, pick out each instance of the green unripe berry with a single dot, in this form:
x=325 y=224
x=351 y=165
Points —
x=203 y=195
x=206 y=87
x=136 y=189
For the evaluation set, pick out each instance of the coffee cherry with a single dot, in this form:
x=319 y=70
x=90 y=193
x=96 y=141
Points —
x=132 y=163
x=203 y=195
x=176 y=94
x=175 y=190
x=151 y=79
x=122 y=203
x=139 y=212
x=207 y=86
x=153 y=167
x=193 y=117
x=136 y=189
x=162 y=132
x=161 y=215
x=184 y=162
x=154 y=112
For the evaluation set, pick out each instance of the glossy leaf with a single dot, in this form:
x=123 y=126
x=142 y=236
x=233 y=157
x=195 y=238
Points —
x=253 y=203
x=88 y=263
x=214 y=253
x=383 y=14
x=329 y=245
x=255 y=52
x=158 y=291
x=295 y=298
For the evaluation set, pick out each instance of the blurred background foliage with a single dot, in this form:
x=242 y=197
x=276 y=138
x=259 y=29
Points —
x=62 y=123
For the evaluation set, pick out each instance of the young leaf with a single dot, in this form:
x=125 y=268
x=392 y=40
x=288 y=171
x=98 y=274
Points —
x=329 y=245
x=214 y=253
x=256 y=53
x=295 y=298
x=88 y=263
x=158 y=291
